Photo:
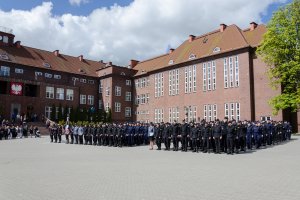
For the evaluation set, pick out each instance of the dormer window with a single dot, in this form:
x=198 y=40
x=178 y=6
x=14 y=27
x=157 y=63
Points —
x=216 y=50
x=4 y=56
x=5 y=39
x=81 y=71
x=192 y=56
x=47 y=65
x=171 y=62
x=123 y=74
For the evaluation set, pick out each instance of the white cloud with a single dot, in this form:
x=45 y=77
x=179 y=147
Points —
x=138 y=31
x=78 y=2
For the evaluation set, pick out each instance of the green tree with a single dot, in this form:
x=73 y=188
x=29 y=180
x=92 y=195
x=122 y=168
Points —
x=53 y=111
x=280 y=50
x=108 y=117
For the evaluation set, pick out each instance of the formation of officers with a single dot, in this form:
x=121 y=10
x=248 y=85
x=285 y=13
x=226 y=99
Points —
x=10 y=130
x=216 y=136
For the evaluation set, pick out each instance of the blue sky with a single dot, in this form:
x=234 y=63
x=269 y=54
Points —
x=137 y=29
x=63 y=6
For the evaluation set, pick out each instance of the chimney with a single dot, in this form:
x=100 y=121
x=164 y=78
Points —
x=101 y=61
x=109 y=64
x=80 y=58
x=222 y=27
x=18 y=44
x=171 y=50
x=56 y=53
x=253 y=25
x=133 y=63
x=191 y=38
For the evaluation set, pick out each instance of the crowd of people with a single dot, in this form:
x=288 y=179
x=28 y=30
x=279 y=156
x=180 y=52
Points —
x=11 y=130
x=227 y=136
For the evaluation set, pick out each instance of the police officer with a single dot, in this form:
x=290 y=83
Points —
x=185 y=131
x=217 y=136
x=230 y=138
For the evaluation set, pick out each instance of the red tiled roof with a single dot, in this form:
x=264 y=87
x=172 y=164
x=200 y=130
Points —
x=37 y=57
x=202 y=46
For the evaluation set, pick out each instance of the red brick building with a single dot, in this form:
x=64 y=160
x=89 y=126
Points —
x=207 y=77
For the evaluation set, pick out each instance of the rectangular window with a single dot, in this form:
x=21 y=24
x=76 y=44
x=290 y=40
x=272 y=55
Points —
x=128 y=82
x=117 y=107
x=38 y=74
x=82 y=99
x=170 y=83
x=204 y=77
x=137 y=83
x=159 y=85
x=48 y=111
x=69 y=94
x=214 y=75
x=209 y=113
x=215 y=114
x=205 y=112
x=208 y=76
x=90 y=100
x=194 y=77
x=231 y=111
x=19 y=71
x=56 y=112
x=48 y=75
x=226 y=110
x=147 y=97
x=128 y=96
x=194 y=113
x=156 y=86
x=100 y=104
x=91 y=81
x=225 y=73
x=127 y=112
x=5 y=71
x=100 y=87
x=237 y=111
x=236 y=71
x=170 y=115
x=60 y=93
x=82 y=80
x=57 y=76
x=50 y=92
x=118 y=91
x=107 y=91
x=231 y=72
x=143 y=98
x=177 y=81
x=107 y=107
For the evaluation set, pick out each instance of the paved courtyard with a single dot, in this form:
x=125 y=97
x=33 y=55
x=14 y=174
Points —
x=35 y=169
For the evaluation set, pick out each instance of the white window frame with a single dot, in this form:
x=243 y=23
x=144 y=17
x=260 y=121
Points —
x=232 y=106
x=204 y=77
x=205 y=112
x=60 y=93
x=210 y=117
x=107 y=91
x=215 y=112
x=90 y=100
x=82 y=80
x=236 y=71
x=238 y=111
x=49 y=92
x=117 y=107
x=107 y=107
x=208 y=76
x=194 y=78
x=214 y=75
x=226 y=110
x=128 y=82
x=225 y=73
x=118 y=91
x=19 y=71
x=128 y=96
x=231 y=83
x=56 y=76
x=82 y=99
x=127 y=111
x=48 y=111
x=47 y=75
x=91 y=82
x=69 y=94
x=100 y=87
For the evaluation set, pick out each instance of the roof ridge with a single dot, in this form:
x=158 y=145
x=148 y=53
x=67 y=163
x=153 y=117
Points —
x=154 y=58
x=240 y=31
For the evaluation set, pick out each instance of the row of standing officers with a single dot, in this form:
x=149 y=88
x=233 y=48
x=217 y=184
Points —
x=217 y=136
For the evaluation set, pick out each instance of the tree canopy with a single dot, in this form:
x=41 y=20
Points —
x=280 y=50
